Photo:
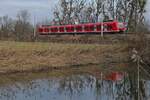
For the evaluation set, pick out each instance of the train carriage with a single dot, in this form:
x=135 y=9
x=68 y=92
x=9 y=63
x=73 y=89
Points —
x=87 y=28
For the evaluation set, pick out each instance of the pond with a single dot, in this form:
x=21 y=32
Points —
x=115 y=86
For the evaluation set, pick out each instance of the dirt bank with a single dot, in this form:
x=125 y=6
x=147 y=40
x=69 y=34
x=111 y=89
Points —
x=27 y=56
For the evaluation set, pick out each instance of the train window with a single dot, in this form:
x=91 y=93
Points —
x=70 y=29
x=109 y=27
x=40 y=30
x=51 y=29
x=61 y=29
x=79 y=28
x=98 y=27
x=54 y=29
x=89 y=28
x=46 y=29
x=86 y=28
x=92 y=28
x=67 y=28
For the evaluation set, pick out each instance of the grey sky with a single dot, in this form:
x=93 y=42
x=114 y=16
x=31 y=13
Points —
x=148 y=10
x=40 y=8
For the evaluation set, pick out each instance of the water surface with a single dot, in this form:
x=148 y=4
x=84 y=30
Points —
x=76 y=87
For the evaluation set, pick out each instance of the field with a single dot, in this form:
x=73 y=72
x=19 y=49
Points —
x=37 y=56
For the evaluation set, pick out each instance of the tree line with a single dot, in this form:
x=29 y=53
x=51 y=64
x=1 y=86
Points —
x=19 y=29
x=130 y=11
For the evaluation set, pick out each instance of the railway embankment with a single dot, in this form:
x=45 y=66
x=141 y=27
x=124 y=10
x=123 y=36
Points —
x=16 y=57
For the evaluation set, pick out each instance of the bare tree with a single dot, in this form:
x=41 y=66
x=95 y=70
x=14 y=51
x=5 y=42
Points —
x=23 y=28
x=67 y=10
x=6 y=26
x=130 y=11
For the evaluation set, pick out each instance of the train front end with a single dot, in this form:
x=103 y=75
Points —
x=122 y=26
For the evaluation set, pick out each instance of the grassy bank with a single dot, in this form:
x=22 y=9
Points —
x=36 y=56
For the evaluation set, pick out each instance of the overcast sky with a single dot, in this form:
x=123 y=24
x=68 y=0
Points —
x=148 y=10
x=40 y=8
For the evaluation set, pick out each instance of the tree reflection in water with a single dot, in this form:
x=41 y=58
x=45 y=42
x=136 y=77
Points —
x=77 y=87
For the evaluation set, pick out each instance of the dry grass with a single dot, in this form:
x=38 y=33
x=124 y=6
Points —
x=27 y=56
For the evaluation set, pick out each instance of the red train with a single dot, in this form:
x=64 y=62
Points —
x=87 y=28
